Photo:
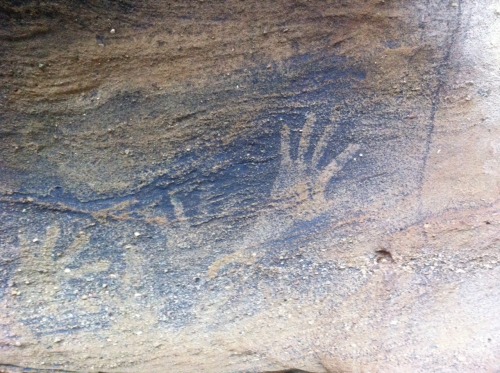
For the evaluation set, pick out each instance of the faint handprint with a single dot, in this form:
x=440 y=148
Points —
x=299 y=193
x=42 y=270
x=301 y=183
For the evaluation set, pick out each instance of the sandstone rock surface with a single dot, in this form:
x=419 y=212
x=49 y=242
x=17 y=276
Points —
x=243 y=186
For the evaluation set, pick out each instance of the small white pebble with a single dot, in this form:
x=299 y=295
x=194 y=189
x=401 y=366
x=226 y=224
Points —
x=137 y=234
x=112 y=31
x=35 y=240
x=67 y=270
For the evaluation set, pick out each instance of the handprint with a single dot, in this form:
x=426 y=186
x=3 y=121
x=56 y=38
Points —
x=299 y=192
x=301 y=183
x=41 y=266
x=39 y=282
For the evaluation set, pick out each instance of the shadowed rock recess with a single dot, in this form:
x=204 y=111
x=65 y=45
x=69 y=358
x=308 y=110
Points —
x=249 y=186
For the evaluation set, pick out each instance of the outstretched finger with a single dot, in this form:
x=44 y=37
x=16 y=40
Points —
x=347 y=155
x=73 y=250
x=180 y=216
x=320 y=148
x=305 y=138
x=52 y=236
x=334 y=167
x=286 y=158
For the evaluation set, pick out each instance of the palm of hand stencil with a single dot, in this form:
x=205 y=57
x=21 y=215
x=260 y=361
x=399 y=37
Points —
x=301 y=183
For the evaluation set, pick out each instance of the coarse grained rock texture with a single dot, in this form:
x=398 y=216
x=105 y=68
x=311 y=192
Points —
x=249 y=186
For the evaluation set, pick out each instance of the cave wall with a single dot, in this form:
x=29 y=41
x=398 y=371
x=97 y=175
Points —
x=228 y=186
